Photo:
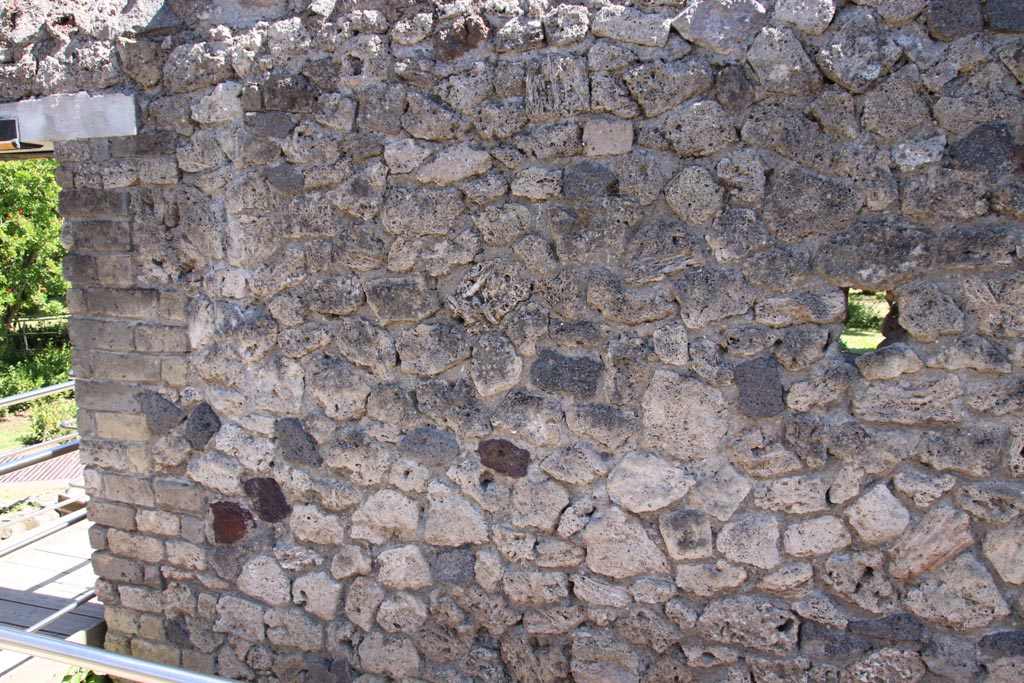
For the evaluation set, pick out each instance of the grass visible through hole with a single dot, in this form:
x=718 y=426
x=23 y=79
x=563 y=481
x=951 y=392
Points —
x=865 y=312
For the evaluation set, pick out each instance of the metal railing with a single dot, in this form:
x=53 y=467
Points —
x=33 y=455
x=19 y=542
x=25 y=397
x=24 y=461
x=98 y=660
x=42 y=511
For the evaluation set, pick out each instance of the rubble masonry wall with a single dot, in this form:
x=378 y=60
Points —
x=498 y=341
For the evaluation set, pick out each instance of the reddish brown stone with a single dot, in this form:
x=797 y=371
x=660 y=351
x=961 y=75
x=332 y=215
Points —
x=267 y=498
x=455 y=40
x=231 y=522
x=504 y=456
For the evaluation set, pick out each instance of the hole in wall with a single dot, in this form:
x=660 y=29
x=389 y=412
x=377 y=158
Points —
x=869 y=315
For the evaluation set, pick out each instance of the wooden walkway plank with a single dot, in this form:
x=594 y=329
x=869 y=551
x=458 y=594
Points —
x=44 y=577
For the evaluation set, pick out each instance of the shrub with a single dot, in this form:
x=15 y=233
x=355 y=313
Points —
x=45 y=417
x=864 y=310
x=22 y=370
x=30 y=249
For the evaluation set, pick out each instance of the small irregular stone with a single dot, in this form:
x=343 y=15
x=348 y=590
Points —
x=267 y=498
x=200 y=426
x=752 y=622
x=631 y=26
x=940 y=535
x=231 y=522
x=877 y=516
x=910 y=402
x=295 y=444
x=752 y=540
x=960 y=595
x=686 y=533
x=683 y=417
x=503 y=456
x=858 y=53
x=161 y=415
x=781 y=64
x=721 y=26
x=618 y=546
x=642 y=483
x=1004 y=549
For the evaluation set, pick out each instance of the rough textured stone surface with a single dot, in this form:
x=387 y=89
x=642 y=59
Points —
x=201 y=425
x=619 y=547
x=161 y=415
x=721 y=493
x=577 y=377
x=694 y=195
x=504 y=457
x=877 y=516
x=751 y=622
x=495 y=340
x=760 y=389
x=910 y=402
x=267 y=498
x=781 y=64
x=815 y=537
x=647 y=483
x=700 y=129
x=682 y=417
x=751 y=540
x=403 y=568
x=231 y=522
x=889 y=362
x=706 y=295
x=578 y=464
x=961 y=594
x=859 y=53
x=597 y=658
x=723 y=27
x=1003 y=549
x=660 y=86
x=294 y=444
x=1002 y=15
x=939 y=536
x=687 y=534
x=860 y=578
x=809 y=16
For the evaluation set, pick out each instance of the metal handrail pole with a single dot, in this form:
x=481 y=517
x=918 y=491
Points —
x=36 y=458
x=31 y=448
x=98 y=660
x=75 y=603
x=49 y=508
x=27 y=396
x=41 y=533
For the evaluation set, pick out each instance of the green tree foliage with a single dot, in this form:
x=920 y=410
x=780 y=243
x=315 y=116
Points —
x=30 y=250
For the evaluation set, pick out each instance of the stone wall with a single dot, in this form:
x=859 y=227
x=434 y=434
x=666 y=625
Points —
x=498 y=341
